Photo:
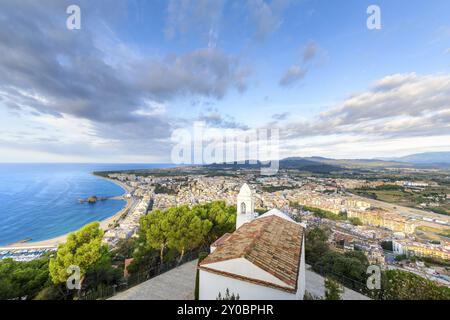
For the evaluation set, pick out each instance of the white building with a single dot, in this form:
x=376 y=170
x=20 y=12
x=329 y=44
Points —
x=264 y=259
x=245 y=206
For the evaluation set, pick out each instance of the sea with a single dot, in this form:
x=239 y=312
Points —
x=41 y=201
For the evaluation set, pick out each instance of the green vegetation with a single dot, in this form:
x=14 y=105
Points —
x=228 y=296
x=173 y=232
x=222 y=217
x=316 y=244
x=401 y=285
x=83 y=249
x=350 y=268
x=351 y=265
x=188 y=230
x=272 y=189
x=333 y=290
x=23 y=279
x=409 y=198
x=401 y=257
x=164 y=236
x=445 y=233
x=441 y=210
x=387 y=245
x=260 y=211
x=326 y=261
x=45 y=278
x=355 y=221
x=324 y=214
x=435 y=261
x=295 y=205
x=429 y=261
x=442 y=231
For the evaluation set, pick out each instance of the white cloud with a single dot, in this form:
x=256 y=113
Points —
x=400 y=104
x=298 y=71
x=292 y=75
x=399 y=112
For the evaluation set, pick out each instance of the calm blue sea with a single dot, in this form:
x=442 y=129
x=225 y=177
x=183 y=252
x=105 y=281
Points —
x=40 y=201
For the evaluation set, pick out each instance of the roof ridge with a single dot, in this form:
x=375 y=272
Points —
x=272 y=244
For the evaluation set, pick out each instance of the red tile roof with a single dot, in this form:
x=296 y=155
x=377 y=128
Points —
x=271 y=243
x=221 y=240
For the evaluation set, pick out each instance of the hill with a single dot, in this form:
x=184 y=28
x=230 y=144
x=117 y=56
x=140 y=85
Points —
x=318 y=164
x=425 y=158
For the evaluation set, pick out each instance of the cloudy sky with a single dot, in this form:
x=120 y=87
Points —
x=136 y=71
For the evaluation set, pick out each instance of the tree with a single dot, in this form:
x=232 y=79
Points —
x=221 y=216
x=355 y=221
x=228 y=296
x=124 y=249
x=84 y=249
x=402 y=285
x=401 y=257
x=350 y=266
x=23 y=279
x=180 y=229
x=333 y=290
x=316 y=244
x=154 y=232
x=187 y=229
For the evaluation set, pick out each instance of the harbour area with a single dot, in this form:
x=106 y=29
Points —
x=25 y=254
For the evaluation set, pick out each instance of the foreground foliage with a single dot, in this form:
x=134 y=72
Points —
x=402 y=285
x=84 y=249
x=173 y=232
x=23 y=279
x=333 y=290
x=350 y=268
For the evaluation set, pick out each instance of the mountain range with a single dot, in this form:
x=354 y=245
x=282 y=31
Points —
x=424 y=158
x=439 y=160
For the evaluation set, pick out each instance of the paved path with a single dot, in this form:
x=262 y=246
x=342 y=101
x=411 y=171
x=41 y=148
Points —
x=179 y=284
x=315 y=285
x=176 y=284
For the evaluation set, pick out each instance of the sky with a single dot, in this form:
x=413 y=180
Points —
x=137 y=72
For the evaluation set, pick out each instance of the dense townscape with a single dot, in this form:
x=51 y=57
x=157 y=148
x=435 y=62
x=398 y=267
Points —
x=389 y=235
x=174 y=215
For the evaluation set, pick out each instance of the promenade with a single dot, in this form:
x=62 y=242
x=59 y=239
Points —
x=175 y=284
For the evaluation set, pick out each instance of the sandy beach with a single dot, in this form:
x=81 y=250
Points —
x=104 y=224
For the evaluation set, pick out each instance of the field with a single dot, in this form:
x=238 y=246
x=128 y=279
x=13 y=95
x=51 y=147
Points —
x=429 y=198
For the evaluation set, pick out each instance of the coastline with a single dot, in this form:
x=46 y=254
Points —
x=105 y=224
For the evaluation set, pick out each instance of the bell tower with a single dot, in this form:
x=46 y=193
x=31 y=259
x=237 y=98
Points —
x=245 y=206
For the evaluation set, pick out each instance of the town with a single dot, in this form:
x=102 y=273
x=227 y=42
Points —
x=392 y=236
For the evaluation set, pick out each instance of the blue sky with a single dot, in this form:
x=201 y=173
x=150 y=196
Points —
x=116 y=90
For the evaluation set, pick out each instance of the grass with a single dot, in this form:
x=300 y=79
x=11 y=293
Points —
x=405 y=197
x=445 y=232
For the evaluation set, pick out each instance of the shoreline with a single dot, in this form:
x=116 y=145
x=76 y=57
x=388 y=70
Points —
x=105 y=224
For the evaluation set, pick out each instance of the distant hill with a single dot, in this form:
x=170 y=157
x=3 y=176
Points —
x=309 y=164
x=318 y=164
x=300 y=164
x=425 y=158
x=360 y=163
x=328 y=165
